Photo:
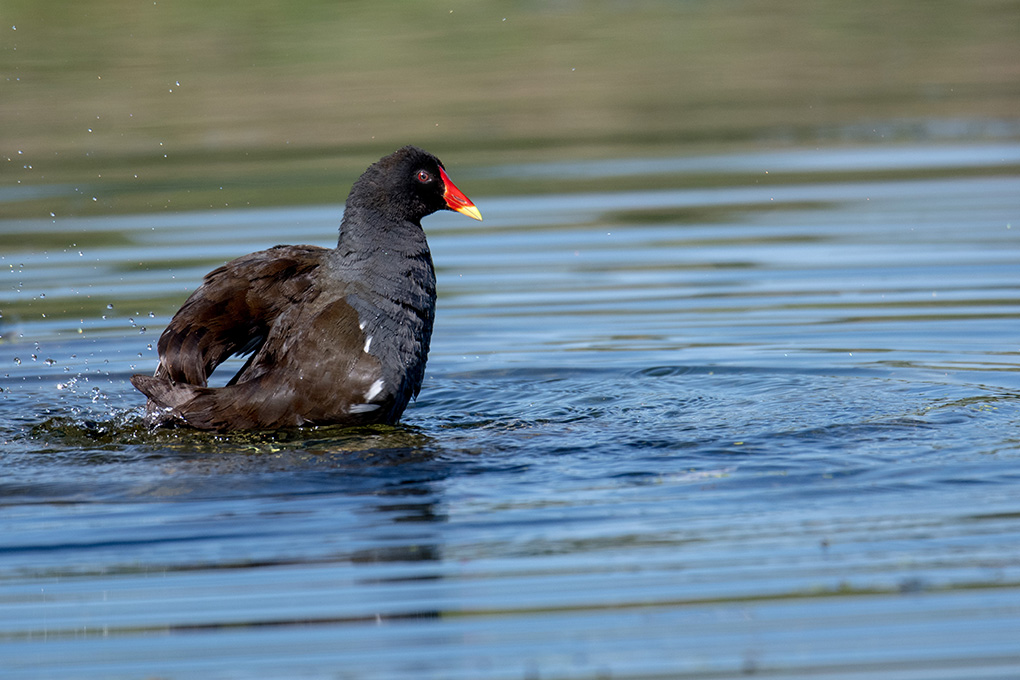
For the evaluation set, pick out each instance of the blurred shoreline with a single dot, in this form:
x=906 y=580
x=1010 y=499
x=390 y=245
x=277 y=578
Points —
x=263 y=105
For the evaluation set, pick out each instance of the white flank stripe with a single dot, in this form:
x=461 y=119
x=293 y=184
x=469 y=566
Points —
x=363 y=408
x=374 y=390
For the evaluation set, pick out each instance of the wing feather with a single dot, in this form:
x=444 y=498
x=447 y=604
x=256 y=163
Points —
x=310 y=370
x=233 y=310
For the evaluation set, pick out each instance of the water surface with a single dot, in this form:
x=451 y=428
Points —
x=682 y=432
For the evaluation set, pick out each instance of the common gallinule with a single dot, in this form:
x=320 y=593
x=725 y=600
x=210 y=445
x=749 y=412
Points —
x=335 y=335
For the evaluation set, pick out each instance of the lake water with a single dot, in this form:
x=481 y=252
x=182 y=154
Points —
x=726 y=428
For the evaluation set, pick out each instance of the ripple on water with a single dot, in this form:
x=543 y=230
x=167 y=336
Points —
x=697 y=437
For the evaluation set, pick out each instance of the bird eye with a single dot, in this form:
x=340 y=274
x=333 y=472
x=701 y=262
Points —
x=424 y=177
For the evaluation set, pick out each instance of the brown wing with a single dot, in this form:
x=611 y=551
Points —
x=233 y=310
x=311 y=369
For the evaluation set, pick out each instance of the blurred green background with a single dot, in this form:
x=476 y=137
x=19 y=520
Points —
x=139 y=105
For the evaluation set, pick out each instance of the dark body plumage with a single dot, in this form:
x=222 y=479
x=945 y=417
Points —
x=334 y=335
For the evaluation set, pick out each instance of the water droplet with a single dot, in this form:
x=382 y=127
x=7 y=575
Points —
x=152 y=315
x=50 y=362
x=17 y=361
x=109 y=306
x=42 y=295
x=34 y=357
x=142 y=330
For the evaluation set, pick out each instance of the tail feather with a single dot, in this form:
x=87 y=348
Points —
x=163 y=392
x=244 y=406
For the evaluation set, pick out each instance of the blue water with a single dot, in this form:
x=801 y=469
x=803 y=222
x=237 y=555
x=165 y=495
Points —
x=679 y=433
